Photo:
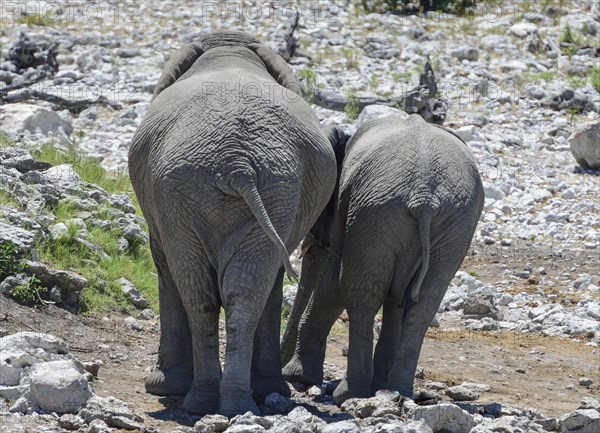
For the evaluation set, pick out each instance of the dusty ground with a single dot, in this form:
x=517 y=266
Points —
x=549 y=383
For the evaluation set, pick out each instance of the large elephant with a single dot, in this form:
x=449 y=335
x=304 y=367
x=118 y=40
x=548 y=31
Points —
x=409 y=200
x=231 y=170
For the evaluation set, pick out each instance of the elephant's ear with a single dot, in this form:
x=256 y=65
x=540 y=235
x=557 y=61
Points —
x=321 y=230
x=177 y=65
x=277 y=67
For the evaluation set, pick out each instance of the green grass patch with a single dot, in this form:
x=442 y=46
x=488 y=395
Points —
x=88 y=168
x=5 y=140
x=577 y=82
x=352 y=108
x=100 y=261
x=103 y=268
x=542 y=76
x=34 y=20
x=595 y=79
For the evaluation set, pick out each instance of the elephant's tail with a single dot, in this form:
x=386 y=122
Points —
x=424 y=222
x=250 y=195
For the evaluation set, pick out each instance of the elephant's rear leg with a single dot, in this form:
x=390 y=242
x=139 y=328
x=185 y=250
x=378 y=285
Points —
x=197 y=283
x=175 y=363
x=247 y=283
x=266 y=375
x=411 y=326
x=365 y=280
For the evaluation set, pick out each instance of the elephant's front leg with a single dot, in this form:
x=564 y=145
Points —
x=175 y=364
x=266 y=375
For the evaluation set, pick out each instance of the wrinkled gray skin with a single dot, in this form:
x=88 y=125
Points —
x=231 y=170
x=409 y=200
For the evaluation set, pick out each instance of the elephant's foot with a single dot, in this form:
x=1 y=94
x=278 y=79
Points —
x=201 y=402
x=305 y=373
x=232 y=405
x=263 y=386
x=344 y=391
x=169 y=381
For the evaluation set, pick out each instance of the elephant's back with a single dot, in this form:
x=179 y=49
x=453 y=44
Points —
x=410 y=163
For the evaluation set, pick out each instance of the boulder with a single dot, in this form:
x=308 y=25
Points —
x=64 y=177
x=445 y=416
x=24 y=240
x=27 y=118
x=466 y=52
x=132 y=294
x=585 y=145
x=341 y=427
x=112 y=411
x=580 y=421
x=59 y=386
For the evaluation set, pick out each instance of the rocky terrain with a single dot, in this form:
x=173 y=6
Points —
x=514 y=347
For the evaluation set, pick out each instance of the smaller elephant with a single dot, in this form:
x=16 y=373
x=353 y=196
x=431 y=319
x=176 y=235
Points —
x=409 y=199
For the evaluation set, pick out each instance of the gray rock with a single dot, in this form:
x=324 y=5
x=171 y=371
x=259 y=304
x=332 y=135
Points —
x=478 y=306
x=8 y=285
x=377 y=406
x=128 y=52
x=91 y=367
x=445 y=416
x=67 y=281
x=586 y=381
x=245 y=428
x=122 y=202
x=70 y=422
x=249 y=419
x=585 y=145
x=580 y=421
x=548 y=424
x=468 y=133
x=133 y=324
x=462 y=393
x=24 y=240
x=582 y=281
x=55 y=295
x=65 y=178
x=341 y=427
x=146 y=314
x=59 y=386
x=314 y=391
x=289 y=296
x=509 y=424
x=98 y=426
x=590 y=403
x=522 y=30
x=466 y=52
x=112 y=411
x=213 y=423
x=395 y=426
x=131 y=231
x=58 y=230
x=21 y=405
x=19 y=118
x=300 y=415
x=22 y=161
x=132 y=294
